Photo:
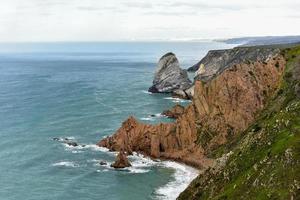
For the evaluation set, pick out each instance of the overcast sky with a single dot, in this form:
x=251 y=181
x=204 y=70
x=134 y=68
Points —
x=118 y=20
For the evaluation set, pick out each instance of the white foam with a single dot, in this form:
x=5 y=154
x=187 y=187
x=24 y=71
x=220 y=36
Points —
x=177 y=100
x=147 y=119
x=181 y=178
x=146 y=92
x=62 y=139
x=140 y=164
x=159 y=115
x=70 y=138
x=93 y=147
x=66 y=164
x=77 y=151
x=137 y=171
x=152 y=117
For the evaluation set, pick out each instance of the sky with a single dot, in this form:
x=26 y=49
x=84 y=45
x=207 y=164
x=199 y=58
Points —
x=145 y=20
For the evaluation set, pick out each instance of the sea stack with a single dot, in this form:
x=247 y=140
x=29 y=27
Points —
x=169 y=77
x=121 y=161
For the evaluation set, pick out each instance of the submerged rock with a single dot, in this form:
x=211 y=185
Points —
x=103 y=162
x=169 y=76
x=121 y=161
x=73 y=144
x=67 y=141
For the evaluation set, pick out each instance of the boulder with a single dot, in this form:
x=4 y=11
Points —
x=190 y=92
x=180 y=94
x=121 y=161
x=169 y=76
x=174 y=112
x=73 y=144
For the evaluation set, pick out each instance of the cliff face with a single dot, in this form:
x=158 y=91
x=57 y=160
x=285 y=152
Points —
x=264 y=161
x=227 y=104
x=221 y=108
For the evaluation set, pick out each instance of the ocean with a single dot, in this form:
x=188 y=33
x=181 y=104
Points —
x=84 y=91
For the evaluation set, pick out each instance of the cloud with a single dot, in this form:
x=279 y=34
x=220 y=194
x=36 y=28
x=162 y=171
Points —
x=144 y=5
x=89 y=8
x=57 y=20
x=201 y=5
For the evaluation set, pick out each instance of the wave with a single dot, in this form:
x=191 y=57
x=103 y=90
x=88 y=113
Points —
x=66 y=164
x=182 y=176
x=152 y=117
x=93 y=147
x=147 y=119
x=177 y=100
x=181 y=179
x=146 y=92
x=140 y=164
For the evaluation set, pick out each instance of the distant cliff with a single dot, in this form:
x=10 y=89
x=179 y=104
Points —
x=216 y=61
x=215 y=126
x=264 y=40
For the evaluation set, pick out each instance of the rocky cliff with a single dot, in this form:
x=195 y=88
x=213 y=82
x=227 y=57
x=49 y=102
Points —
x=242 y=129
x=222 y=108
x=264 y=161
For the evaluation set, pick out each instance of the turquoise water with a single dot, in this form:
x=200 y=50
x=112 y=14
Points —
x=82 y=91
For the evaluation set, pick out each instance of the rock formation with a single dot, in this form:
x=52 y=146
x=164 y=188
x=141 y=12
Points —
x=174 y=112
x=222 y=107
x=121 y=161
x=169 y=77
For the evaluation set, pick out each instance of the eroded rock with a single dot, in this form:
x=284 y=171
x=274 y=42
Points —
x=121 y=161
x=174 y=112
x=169 y=76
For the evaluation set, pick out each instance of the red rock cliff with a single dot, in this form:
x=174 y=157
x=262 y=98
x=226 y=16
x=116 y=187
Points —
x=221 y=108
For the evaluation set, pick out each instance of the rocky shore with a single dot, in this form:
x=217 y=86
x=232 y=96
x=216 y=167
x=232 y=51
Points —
x=230 y=92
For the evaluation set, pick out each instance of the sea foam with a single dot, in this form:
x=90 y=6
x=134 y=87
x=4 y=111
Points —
x=177 y=100
x=66 y=164
x=181 y=178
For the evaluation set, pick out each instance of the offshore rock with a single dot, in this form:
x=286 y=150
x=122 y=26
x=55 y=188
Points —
x=169 y=76
x=121 y=161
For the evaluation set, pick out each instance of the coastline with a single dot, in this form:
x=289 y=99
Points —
x=211 y=119
x=182 y=176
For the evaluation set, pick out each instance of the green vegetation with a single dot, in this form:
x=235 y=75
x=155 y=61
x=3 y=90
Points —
x=264 y=161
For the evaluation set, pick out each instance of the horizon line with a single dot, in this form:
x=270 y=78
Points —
x=151 y=40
